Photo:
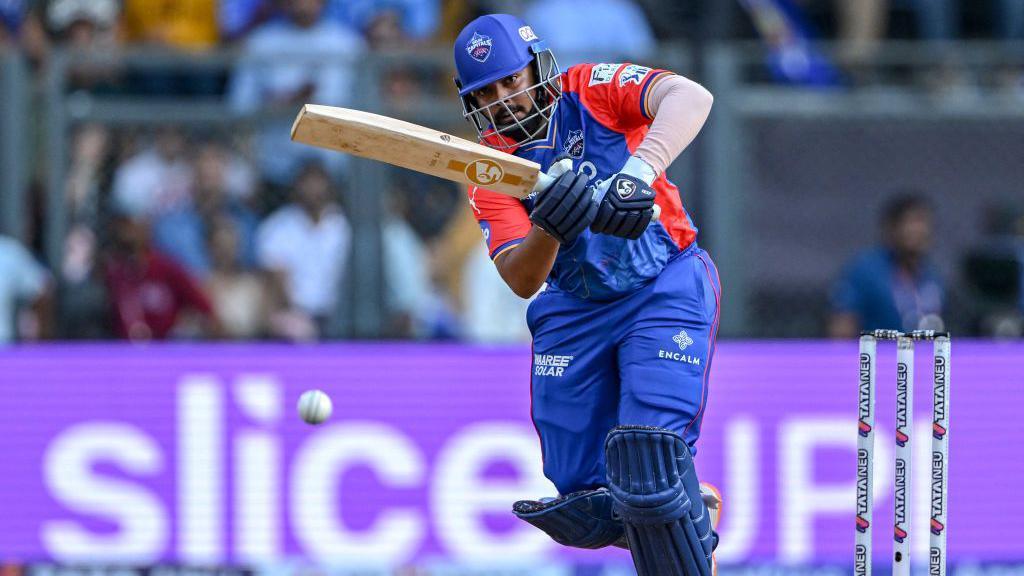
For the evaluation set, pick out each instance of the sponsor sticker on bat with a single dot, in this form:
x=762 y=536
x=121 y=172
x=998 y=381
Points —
x=484 y=172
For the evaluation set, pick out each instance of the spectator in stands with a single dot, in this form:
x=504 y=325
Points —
x=182 y=26
x=305 y=247
x=490 y=314
x=177 y=24
x=90 y=27
x=599 y=31
x=388 y=22
x=24 y=286
x=416 y=307
x=12 y=19
x=270 y=76
x=406 y=278
x=402 y=87
x=239 y=17
x=90 y=147
x=862 y=23
x=148 y=291
x=157 y=180
x=868 y=20
x=82 y=298
x=81 y=295
x=895 y=285
x=465 y=273
x=241 y=297
x=182 y=233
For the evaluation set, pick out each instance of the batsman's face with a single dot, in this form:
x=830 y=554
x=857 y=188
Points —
x=511 y=91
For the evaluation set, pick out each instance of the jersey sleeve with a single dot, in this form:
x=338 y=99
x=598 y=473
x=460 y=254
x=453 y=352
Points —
x=617 y=94
x=503 y=219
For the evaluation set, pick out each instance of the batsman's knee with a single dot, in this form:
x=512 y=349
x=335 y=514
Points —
x=655 y=491
x=581 y=519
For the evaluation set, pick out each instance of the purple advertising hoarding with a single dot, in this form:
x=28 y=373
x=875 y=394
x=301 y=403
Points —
x=194 y=453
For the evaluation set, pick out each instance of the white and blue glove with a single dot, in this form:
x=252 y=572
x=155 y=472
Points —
x=627 y=201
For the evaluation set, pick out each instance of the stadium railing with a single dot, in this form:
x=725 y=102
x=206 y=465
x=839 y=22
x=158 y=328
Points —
x=14 y=155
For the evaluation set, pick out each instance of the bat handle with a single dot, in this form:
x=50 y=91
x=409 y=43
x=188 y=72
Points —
x=544 y=180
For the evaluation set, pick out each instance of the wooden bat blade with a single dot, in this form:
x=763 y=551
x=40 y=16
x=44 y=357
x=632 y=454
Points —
x=414 y=147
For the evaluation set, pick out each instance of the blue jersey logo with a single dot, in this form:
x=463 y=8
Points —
x=479 y=47
x=574 y=144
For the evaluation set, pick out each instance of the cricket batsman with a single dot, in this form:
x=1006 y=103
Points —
x=624 y=333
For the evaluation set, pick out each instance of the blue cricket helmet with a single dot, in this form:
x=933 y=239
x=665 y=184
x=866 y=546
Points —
x=490 y=48
x=493 y=47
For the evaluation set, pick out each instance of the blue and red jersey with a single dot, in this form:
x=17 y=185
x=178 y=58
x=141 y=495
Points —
x=599 y=121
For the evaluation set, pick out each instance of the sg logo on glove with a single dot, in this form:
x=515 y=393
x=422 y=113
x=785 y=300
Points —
x=627 y=207
x=625 y=189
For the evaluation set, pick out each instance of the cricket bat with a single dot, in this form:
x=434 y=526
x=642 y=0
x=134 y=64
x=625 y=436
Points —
x=417 y=148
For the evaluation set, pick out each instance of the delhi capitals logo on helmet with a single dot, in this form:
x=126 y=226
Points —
x=479 y=47
x=574 y=144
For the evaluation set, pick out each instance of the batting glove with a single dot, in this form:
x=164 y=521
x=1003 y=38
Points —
x=627 y=201
x=566 y=207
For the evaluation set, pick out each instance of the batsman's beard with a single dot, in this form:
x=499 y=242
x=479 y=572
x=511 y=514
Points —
x=520 y=131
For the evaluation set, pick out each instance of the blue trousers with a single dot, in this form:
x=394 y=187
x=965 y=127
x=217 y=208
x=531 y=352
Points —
x=643 y=360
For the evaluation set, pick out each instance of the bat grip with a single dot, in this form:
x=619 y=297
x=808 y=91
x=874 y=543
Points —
x=544 y=180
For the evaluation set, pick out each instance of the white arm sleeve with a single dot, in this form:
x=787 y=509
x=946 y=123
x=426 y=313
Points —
x=680 y=106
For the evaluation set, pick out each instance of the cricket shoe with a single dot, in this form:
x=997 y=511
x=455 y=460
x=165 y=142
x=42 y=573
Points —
x=713 y=501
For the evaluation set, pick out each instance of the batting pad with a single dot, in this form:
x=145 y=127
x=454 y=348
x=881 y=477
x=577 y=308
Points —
x=581 y=519
x=656 y=493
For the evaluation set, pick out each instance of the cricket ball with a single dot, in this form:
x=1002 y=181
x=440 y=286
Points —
x=315 y=407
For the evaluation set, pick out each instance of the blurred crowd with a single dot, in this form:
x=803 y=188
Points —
x=178 y=231
x=220 y=232
x=897 y=284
